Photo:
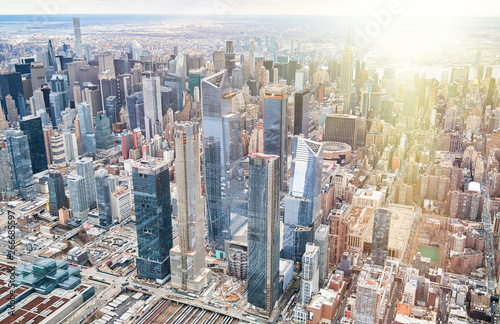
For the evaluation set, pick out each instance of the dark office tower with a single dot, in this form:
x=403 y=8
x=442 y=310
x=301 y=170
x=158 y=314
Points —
x=121 y=66
x=333 y=70
x=275 y=127
x=102 y=186
x=85 y=169
x=23 y=68
x=153 y=213
x=381 y=226
x=341 y=128
x=223 y=157
x=410 y=106
x=268 y=64
x=301 y=113
x=103 y=137
x=292 y=68
x=111 y=109
x=22 y=173
x=10 y=83
x=132 y=112
x=78 y=37
x=46 y=96
x=108 y=87
x=51 y=54
x=303 y=202
x=386 y=109
x=57 y=196
x=37 y=75
x=58 y=98
x=313 y=67
x=32 y=127
x=263 y=231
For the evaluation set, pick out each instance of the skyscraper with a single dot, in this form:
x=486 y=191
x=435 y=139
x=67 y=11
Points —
x=6 y=186
x=410 y=105
x=303 y=202
x=78 y=37
x=263 y=231
x=153 y=212
x=152 y=106
x=226 y=204
x=20 y=161
x=104 y=139
x=381 y=225
x=32 y=127
x=58 y=98
x=301 y=113
x=78 y=197
x=187 y=259
x=309 y=283
x=275 y=127
x=57 y=148
x=57 y=196
x=37 y=75
x=85 y=169
x=103 y=191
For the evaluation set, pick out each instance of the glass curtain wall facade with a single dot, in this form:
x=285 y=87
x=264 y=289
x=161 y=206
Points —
x=153 y=212
x=223 y=155
x=263 y=231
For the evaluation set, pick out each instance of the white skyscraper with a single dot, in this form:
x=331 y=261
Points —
x=153 y=117
x=78 y=37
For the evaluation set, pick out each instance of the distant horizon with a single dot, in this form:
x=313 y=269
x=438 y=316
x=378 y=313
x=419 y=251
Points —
x=328 y=8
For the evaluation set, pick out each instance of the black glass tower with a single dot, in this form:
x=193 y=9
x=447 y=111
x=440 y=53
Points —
x=32 y=127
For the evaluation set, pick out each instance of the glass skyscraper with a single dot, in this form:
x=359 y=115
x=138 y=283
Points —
x=263 y=231
x=224 y=179
x=275 y=127
x=381 y=226
x=78 y=197
x=32 y=127
x=57 y=196
x=303 y=202
x=104 y=138
x=85 y=169
x=103 y=191
x=153 y=213
x=20 y=161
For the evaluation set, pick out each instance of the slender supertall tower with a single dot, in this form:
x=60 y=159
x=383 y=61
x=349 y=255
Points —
x=263 y=231
x=251 y=57
x=187 y=259
x=346 y=75
x=275 y=127
x=78 y=37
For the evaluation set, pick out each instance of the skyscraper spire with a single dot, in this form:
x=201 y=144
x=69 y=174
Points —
x=349 y=35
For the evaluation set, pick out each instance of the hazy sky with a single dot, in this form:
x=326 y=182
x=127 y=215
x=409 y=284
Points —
x=253 y=7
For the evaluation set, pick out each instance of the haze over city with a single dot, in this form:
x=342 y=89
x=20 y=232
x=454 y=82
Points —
x=235 y=161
